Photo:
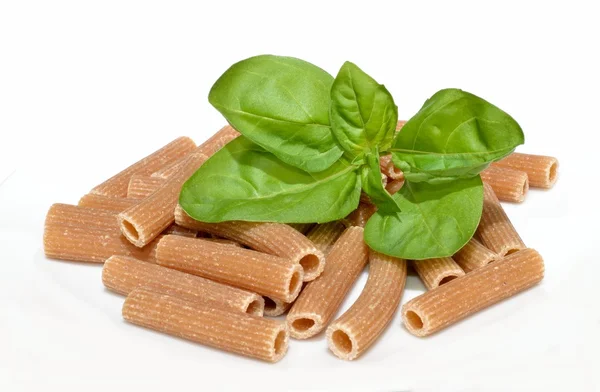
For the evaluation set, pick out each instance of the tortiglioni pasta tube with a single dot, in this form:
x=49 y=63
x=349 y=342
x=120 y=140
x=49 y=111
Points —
x=321 y=298
x=358 y=328
x=265 y=274
x=124 y=274
x=508 y=184
x=69 y=215
x=541 y=170
x=239 y=333
x=449 y=303
x=436 y=272
x=117 y=204
x=324 y=235
x=275 y=307
x=143 y=186
x=361 y=215
x=473 y=256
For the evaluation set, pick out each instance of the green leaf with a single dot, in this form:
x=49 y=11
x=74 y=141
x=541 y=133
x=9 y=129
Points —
x=363 y=113
x=436 y=220
x=281 y=104
x=455 y=135
x=243 y=181
x=373 y=186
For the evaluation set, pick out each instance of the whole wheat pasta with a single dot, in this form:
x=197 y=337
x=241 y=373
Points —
x=91 y=244
x=541 y=170
x=178 y=230
x=117 y=204
x=123 y=274
x=265 y=274
x=436 y=272
x=508 y=184
x=394 y=186
x=447 y=304
x=143 y=186
x=117 y=185
x=495 y=230
x=388 y=169
x=244 y=334
x=358 y=328
x=70 y=215
x=275 y=307
x=302 y=227
x=273 y=238
x=400 y=124
x=224 y=241
x=324 y=235
x=321 y=298
x=150 y=216
x=168 y=171
x=361 y=215
x=473 y=256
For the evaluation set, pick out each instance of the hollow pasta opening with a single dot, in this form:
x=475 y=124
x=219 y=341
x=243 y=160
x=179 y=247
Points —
x=511 y=251
x=279 y=342
x=447 y=279
x=342 y=341
x=295 y=282
x=525 y=188
x=310 y=263
x=269 y=304
x=414 y=320
x=553 y=172
x=254 y=307
x=303 y=324
x=130 y=230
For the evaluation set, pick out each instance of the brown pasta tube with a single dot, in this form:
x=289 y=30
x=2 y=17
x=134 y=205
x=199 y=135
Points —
x=265 y=274
x=301 y=227
x=235 y=332
x=541 y=170
x=275 y=307
x=495 y=230
x=394 y=186
x=473 y=256
x=124 y=274
x=178 y=230
x=69 y=215
x=117 y=204
x=150 y=216
x=116 y=186
x=508 y=184
x=358 y=328
x=388 y=169
x=324 y=235
x=361 y=215
x=273 y=238
x=449 y=303
x=322 y=297
x=141 y=187
x=436 y=272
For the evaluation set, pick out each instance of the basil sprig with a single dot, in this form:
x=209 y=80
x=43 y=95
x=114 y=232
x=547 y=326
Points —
x=311 y=143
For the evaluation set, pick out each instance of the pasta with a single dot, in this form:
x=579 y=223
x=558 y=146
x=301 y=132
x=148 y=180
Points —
x=124 y=274
x=324 y=235
x=541 y=170
x=400 y=124
x=508 y=184
x=239 y=333
x=361 y=215
x=473 y=256
x=273 y=238
x=447 y=304
x=117 y=204
x=394 y=186
x=91 y=244
x=495 y=230
x=358 y=328
x=69 y=215
x=388 y=169
x=265 y=274
x=116 y=186
x=141 y=187
x=178 y=230
x=150 y=216
x=322 y=297
x=302 y=227
x=275 y=307
x=436 y=272
x=224 y=241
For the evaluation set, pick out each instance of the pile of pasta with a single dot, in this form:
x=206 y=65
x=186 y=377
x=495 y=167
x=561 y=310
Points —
x=222 y=284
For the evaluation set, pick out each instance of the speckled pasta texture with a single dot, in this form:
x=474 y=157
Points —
x=265 y=274
x=322 y=297
x=508 y=184
x=275 y=307
x=70 y=215
x=357 y=329
x=474 y=255
x=436 y=272
x=324 y=235
x=123 y=274
x=239 y=333
x=449 y=303
x=141 y=187
x=495 y=229
x=361 y=215
x=117 y=185
x=117 y=204
x=541 y=170
x=273 y=238
x=151 y=215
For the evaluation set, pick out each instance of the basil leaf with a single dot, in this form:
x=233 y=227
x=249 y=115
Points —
x=455 y=135
x=373 y=186
x=436 y=220
x=281 y=104
x=243 y=181
x=363 y=113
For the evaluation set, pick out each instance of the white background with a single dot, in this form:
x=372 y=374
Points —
x=86 y=88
